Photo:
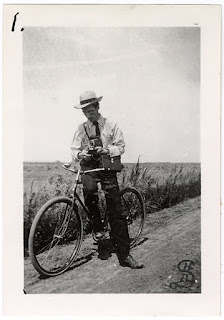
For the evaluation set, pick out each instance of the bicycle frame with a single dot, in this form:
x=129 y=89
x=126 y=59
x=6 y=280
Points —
x=41 y=249
x=75 y=195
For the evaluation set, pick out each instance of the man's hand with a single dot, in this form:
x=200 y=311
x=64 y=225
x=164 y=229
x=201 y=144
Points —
x=84 y=155
x=101 y=150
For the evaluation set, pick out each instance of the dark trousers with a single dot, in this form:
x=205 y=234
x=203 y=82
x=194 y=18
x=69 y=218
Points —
x=118 y=224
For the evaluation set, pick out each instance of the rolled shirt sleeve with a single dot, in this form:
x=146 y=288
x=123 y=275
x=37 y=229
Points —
x=76 y=145
x=117 y=147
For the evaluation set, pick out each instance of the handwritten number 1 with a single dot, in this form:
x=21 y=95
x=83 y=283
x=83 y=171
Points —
x=14 y=23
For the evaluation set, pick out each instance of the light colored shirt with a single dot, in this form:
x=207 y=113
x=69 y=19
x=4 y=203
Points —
x=111 y=136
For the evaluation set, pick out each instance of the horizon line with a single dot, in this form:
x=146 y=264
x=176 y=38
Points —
x=56 y=161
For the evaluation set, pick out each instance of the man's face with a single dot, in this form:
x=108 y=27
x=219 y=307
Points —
x=91 y=113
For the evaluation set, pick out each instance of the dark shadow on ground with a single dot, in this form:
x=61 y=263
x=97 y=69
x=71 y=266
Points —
x=105 y=248
x=141 y=241
x=77 y=263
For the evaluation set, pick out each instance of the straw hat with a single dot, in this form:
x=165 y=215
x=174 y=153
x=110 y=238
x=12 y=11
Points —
x=87 y=98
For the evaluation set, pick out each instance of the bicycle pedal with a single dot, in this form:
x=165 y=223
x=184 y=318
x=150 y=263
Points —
x=106 y=236
x=98 y=235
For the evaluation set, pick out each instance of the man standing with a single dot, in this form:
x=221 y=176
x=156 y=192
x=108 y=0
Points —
x=109 y=141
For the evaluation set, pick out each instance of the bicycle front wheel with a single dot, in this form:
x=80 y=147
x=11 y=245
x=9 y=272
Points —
x=55 y=236
x=134 y=210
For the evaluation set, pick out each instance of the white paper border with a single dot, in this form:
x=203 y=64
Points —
x=15 y=302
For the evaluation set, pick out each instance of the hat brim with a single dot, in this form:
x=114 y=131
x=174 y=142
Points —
x=81 y=106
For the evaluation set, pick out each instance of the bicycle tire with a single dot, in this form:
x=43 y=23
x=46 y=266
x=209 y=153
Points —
x=58 y=229
x=134 y=209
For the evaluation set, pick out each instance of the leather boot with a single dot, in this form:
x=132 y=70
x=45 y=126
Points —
x=131 y=263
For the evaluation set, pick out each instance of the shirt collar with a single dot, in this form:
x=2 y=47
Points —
x=101 y=121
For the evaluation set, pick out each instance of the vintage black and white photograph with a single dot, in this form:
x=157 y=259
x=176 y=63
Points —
x=112 y=157
x=121 y=104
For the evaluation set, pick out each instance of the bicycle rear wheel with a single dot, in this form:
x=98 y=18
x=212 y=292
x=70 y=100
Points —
x=55 y=236
x=134 y=210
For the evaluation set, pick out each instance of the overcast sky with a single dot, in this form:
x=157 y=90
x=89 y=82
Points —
x=149 y=79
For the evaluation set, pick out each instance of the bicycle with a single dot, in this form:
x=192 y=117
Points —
x=53 y=249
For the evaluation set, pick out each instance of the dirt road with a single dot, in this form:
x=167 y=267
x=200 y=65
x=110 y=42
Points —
x=169 y=236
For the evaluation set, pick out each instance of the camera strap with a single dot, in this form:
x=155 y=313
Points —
x=86 y=130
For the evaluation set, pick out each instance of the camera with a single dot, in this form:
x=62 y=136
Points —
x=94 y=141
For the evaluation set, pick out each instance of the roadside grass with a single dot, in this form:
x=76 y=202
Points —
x=160 y=193
x=161 y=187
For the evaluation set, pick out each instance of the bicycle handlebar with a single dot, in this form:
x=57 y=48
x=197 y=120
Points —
x=67 y=166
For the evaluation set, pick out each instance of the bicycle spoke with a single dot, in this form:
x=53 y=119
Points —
x=63 y=219
x=57 y=237
x=49 y=252
x=133 y=209
x=44 y=248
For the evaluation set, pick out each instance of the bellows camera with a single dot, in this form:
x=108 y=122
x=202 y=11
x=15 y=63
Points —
x=94 y=141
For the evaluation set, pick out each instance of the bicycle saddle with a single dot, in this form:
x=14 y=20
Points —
x=67 y=165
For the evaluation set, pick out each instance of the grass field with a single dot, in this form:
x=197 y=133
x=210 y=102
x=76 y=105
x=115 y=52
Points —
x=161 y=184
